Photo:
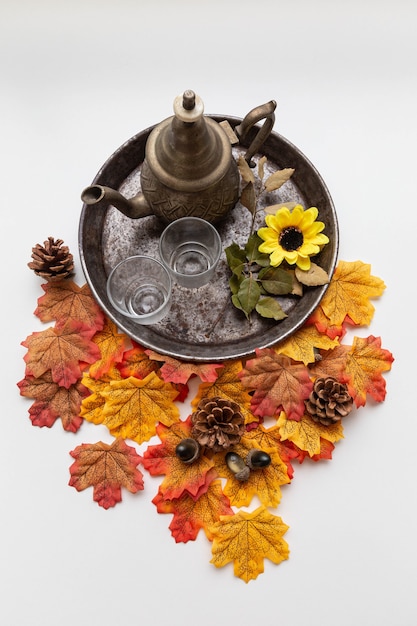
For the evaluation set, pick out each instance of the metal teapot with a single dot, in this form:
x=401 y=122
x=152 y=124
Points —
x=188 y=169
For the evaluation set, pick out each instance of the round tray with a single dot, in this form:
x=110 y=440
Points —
x=203 y=325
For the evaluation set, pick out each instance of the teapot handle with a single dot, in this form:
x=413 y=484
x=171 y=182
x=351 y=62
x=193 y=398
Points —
x=264 y=111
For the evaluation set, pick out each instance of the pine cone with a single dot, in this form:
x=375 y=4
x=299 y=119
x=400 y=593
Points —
x=52 y=261
x=217 y=423
x=329 y=401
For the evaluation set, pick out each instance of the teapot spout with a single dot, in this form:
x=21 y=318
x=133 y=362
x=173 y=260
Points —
x=131 y=207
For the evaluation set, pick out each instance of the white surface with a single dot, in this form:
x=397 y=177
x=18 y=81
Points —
x=78 y=79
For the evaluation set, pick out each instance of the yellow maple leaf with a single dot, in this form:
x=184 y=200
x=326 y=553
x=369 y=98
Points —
x=349 y=292
x=227 y=385
x=264 y=483
x=92 y=405
x=246 y=539
x=306 y=434
x=365 y=363
x=133 y=407
x=300 y=346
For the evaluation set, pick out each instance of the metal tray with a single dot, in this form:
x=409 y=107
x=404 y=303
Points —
x=203 y=325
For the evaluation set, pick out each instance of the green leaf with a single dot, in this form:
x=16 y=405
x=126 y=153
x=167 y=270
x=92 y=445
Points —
x=247 y=296
x=252 y=251
x=236 y=258
x=234 y=283
x=276 y=281
x=268 y=307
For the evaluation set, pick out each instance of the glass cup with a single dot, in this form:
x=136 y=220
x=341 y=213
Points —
x=140 y=288
x=190 y=248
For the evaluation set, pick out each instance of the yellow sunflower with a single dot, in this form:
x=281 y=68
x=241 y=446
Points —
x=293 y=236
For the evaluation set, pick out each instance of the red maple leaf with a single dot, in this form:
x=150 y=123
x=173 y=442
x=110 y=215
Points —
x=278 y=382
x=63 y=349
x=135 y=362
x=190 y=515
x=175 y=371
x=107 y=468
x=53 y=401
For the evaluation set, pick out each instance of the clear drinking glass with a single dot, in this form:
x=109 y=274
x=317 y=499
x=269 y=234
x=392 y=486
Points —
x=140 y=288
x=190 y=247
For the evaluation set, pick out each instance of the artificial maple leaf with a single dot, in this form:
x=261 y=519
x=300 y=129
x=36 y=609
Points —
x=307 y=434
x=135 y=362
x=365 y=363
x=227 y=385
x=112 y=345
x=133 y=407
x=323 y=325
x=326 y=450
x=246 y=539
x=265 y=483
x=53 y=401
x=193 y=478
x=190 y=515
x=300 y=346
x=349 y=292
x=264 y=438
x=63 y=350
x=332 y=363
x=107 y=468
x=92 y=406
x=66 y=300
x=175 y=371
x=278 y=382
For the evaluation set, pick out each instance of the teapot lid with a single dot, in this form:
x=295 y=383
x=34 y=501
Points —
x=188 y=151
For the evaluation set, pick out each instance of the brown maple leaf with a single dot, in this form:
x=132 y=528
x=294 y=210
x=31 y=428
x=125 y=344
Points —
x=307 y=434
x=112 y=345
x=66 y=300
x=193 y=478
x=278 y=382
x=63 y=349
x=332 y=363
x=365 y=363
x=246 y=539
x=190 y=515
x=349 y=292
x=175 y=371
x=107 y=468
x=53 y=401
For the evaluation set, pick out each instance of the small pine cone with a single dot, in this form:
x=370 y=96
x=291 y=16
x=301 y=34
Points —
x=217 y=423
x=52 y=261
x=329 y=401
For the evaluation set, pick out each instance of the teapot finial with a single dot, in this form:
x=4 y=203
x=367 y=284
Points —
x=188 y=107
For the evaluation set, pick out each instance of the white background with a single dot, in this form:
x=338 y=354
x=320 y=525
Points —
x=78 y=79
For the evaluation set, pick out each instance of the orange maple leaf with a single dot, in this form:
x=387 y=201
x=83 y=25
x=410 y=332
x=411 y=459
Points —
x=365 y=363
x=66 y=300
x=107 y=468
x=112 y=345
x=301 y=345
x=265 y=483
x=307 y=434
x=277 y=382
x=332 y=363
x=190 y=515
x=53 y=402
x=349 y=292
x=63 y=349
x=227 y=385
x=135 y=362
x=175 y=371
x=180 y=478
x=133 y=407
x=323 y=325
x=246 y=539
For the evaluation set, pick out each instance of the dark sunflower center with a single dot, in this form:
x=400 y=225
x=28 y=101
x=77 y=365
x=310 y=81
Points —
x=291 y=238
